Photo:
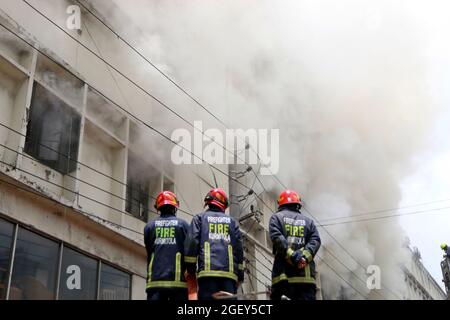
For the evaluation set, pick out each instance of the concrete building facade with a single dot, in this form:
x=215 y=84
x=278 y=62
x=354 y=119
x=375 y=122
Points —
x=420 y=284
x=83 y=153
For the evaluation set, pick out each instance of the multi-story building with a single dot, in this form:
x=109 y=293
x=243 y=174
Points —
x=83 y=153
x=420 y=285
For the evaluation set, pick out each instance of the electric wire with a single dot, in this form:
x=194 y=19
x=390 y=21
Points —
x=107 y=63
x=136 y=85
x=152 y=64
x=427 y=211
x=57 y=202
x=340 y=277
x=120 y=37
x=384 y=210
x=126 y=111
x=81 y=164
x=345 y=249
x=77 y=179
x=160 y=71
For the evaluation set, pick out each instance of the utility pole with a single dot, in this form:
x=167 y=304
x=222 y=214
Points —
x=233 y=186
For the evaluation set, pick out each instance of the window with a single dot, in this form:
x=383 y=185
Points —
x=137 y=199
x=168 y=184
x=114 y=284
x=78 y=276
x=36 y=270
x=53 y=131
x=35 y=267
x=138 y=186
x=6 y=233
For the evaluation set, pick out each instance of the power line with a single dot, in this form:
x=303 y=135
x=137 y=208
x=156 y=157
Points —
x=334 y=238
x=77 y=193
x=334 y=270
x=344 y=265
x=334 y=256
x=159 y=101
x=256 y=259
x=262 y=254
x=162 y=73
x=66 y=155
x=168 y=78
x=80 y=163
x=146 y=92
x=127 y=112
x=72 y=191
x=107 y=63
x=343 y=248
x=77 y=179
x=109 y=70
x=65 y=189
x=330 y=250
x=384 y=210
x=364 y=268
x=123 y=109
x=178 y=86
x=153 y=65
x=85 y=213
x=387 y=217
x=113 y=209
x=347 y=282
x=329 y=266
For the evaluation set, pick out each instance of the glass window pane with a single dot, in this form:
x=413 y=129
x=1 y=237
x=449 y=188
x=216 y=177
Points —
x=53 y=131
x=6 y=233
x=78 y=276
x=114 y=284
x=35 y=267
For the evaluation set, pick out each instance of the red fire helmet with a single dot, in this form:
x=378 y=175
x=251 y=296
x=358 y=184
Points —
x=166 y=197
x=217 y=197
x=289 y=196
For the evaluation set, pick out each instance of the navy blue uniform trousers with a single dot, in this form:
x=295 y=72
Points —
x=207 y=286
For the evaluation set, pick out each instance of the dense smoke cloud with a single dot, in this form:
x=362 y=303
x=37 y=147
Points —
x=345 y=81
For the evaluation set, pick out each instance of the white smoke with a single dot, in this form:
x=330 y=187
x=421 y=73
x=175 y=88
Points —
x=346 y=82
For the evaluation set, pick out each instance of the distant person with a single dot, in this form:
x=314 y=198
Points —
x=164 y=240
x=446 y=249
x=295 y=243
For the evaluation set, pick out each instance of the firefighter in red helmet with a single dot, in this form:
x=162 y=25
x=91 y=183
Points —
x=214 y=248
x=164 y=240
x=295 y=242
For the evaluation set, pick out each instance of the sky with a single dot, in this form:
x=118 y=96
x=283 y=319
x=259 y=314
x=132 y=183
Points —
x=430 y=182
x=431 y=179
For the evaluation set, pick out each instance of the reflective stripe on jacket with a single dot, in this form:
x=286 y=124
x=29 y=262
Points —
x=164 y=240
x=291 y=231
x=215 y=244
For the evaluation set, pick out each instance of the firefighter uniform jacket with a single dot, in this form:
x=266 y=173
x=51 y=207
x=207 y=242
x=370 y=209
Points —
x=215 y=244
x=164 y=240
x=291 y=231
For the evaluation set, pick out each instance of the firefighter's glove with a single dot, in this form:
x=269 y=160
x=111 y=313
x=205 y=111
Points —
x=295 y=258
